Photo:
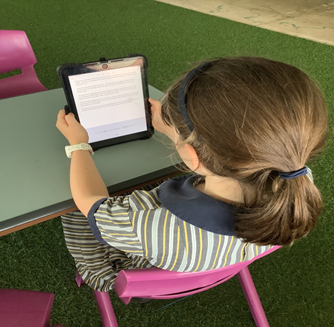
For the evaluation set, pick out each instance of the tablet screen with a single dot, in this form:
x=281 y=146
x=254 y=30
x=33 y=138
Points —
x=110 y=103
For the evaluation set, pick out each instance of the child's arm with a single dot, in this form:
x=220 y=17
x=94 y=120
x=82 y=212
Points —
x=87 y=185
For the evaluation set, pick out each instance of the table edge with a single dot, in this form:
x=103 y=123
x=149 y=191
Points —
x=34 y=217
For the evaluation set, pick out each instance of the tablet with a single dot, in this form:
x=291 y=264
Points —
x=109 y=98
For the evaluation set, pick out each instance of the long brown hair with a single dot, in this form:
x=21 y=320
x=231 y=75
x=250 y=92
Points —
x=254 y=118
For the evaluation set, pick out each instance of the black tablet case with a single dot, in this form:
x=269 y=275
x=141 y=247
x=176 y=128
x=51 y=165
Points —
x=71 y=105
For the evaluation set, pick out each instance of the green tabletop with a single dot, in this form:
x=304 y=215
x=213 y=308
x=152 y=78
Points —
x=34 y=168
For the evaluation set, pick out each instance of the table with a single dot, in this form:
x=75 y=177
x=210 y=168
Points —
x=34 y=169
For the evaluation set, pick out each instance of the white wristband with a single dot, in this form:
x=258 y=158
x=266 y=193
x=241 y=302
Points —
x=82 y=146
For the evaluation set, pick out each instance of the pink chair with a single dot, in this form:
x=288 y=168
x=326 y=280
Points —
x=155 y=283
x=25 y=308
x=16 y=53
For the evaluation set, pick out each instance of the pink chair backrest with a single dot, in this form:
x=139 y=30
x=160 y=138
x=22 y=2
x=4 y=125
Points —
x=158 y=282
x=15 y=51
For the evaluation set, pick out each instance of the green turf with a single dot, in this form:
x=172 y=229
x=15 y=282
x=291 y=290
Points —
x=295 y=285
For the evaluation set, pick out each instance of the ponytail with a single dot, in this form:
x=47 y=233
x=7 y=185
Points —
x=283 y=211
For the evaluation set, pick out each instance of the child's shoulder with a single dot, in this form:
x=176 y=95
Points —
x=145 y=200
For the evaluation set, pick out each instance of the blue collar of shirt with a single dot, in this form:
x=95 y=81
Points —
x=186 y=202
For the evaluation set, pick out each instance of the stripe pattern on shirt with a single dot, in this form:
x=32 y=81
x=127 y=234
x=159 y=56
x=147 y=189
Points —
x=170 y=243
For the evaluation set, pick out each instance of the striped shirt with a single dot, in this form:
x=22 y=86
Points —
x=174 y=227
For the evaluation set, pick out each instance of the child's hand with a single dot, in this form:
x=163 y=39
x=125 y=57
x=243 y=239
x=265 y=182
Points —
x=158 y=123
x=156 y=114
x=71 y=128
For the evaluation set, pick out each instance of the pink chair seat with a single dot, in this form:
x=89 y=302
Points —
x=16 y=53
x=20 y=308
x=155 y=283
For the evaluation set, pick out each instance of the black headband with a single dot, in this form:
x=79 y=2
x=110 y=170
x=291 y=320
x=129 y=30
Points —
x=182 y=93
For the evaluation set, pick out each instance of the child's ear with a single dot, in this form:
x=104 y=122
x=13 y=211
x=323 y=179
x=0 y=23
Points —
x=193 y=156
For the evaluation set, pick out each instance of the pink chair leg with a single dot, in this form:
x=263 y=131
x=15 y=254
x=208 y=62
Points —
x=78 y=279
x=104 y=304
x=252 y=297
x=106 y=309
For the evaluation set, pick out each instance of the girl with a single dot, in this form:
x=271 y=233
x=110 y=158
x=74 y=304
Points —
x=246 y=126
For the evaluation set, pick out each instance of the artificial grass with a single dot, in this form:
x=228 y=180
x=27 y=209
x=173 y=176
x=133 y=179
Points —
x=295 y=284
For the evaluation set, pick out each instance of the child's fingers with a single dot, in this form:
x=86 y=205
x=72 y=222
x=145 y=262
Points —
x=61 y=118
x=61 y=114
x=153 y=103
x=70 y=119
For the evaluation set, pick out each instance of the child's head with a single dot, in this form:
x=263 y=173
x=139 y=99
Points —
x=254 y=118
